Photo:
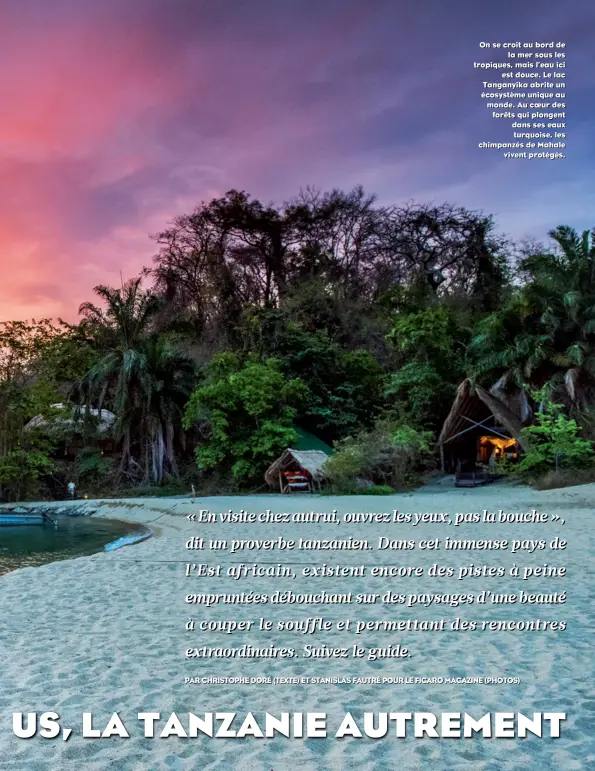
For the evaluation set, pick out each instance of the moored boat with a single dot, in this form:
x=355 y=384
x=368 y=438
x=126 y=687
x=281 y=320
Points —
x=23 y=517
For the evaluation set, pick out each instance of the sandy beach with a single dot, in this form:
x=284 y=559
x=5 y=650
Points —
x=106 y=633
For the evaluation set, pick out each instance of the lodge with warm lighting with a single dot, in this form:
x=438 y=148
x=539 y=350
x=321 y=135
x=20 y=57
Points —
x=482 y=429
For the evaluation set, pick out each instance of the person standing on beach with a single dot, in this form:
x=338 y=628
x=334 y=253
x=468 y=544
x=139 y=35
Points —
x=71 y=489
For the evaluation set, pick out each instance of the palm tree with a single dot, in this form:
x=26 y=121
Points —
x=510 y=345
x=545 y=334
x=172 y=379
x=127 y=315
x=146 y=378
x=562 y=286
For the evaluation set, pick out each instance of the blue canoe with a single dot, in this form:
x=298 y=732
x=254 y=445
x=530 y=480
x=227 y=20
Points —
x=33 y=518
x=126 y=540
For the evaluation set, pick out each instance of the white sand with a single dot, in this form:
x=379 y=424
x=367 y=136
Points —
x=106 y=633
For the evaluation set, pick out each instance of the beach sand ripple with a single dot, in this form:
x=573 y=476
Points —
x=106 y=633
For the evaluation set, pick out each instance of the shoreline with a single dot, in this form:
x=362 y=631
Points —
x=107 y=633
x=163 y=515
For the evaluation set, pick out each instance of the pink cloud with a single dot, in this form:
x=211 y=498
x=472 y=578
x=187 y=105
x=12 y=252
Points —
x=66 y=90
x=115 y=117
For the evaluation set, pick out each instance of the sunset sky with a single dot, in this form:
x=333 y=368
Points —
x=116 y=115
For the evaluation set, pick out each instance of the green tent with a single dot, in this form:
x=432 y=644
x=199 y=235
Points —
x=308 y=441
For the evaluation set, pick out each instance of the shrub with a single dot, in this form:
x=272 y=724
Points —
x=552 y=480
x=553 y=442
x=21 y=470
x=388 y=456
x=379 y=490
x=93 y=468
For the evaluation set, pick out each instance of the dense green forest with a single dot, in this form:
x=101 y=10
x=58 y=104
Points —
x=331 y=314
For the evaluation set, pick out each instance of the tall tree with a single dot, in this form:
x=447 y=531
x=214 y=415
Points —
x=545 y=332
x=145 y=378
x=25 y=391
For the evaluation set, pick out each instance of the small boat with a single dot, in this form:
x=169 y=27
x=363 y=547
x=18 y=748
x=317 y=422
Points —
x=13 y=517
x=126 y=540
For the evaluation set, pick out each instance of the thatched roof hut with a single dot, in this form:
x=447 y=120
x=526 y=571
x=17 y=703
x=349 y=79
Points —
x=477 y=414
x=514 y=397
x=309 y=462
x=73 y=420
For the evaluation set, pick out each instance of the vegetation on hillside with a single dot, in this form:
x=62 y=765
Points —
x=331 y=314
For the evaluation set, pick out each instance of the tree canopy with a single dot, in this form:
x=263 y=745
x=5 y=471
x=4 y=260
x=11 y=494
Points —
x=331 y=314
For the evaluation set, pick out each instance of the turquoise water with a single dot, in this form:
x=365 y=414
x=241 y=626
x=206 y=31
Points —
x=33 y=545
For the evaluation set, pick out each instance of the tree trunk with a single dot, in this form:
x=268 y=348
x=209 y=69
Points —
x=169 y=450
x=124 y=462
x=157 y=454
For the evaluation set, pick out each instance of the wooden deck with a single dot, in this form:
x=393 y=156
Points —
x=473 y=478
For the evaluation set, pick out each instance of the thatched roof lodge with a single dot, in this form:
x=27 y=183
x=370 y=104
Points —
x=68 y=426
x=481 y=426
x=73 y=419
x=306 y=465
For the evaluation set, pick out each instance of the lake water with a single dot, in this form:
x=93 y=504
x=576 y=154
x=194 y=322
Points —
x=32 y=545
